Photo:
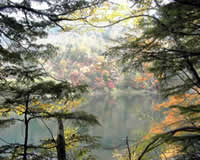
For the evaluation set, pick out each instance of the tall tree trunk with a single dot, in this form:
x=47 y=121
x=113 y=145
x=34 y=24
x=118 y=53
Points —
x=128 y=147
x=60 y=146
x=26 y=128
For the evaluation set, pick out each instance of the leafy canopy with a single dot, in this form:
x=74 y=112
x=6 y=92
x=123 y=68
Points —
x=169 y=43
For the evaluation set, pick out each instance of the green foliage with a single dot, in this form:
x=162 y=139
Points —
x=23 y=78
x=169 y=42
x=168 y=46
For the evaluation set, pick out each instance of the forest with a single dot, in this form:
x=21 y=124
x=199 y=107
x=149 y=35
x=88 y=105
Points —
x=99 y=80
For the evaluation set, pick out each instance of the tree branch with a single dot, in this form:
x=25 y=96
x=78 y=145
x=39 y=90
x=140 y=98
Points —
x=51 y=133
x=128 y=147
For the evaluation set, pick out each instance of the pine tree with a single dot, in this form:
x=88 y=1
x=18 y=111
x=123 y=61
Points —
x=169 y=42
x=25 y=90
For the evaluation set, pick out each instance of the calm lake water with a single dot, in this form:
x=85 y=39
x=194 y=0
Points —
x=127 y=115
x=124 y=115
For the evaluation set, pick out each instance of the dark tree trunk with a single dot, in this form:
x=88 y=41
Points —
x=61 y=153
x=26 y=128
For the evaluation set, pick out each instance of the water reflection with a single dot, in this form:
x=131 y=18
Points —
x=119 y=117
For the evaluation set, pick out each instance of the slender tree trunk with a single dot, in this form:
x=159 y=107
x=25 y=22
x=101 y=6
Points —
x=128 y=147
x=26 y=128
x=61 y=153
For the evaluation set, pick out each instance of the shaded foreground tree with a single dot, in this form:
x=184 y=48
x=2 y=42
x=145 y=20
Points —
x=23 y=79
x=40 y=101
x=169 y=44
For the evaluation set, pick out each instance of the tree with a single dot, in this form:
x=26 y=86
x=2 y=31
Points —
x=40 y=100
x=23 y=79
x=169 y=43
